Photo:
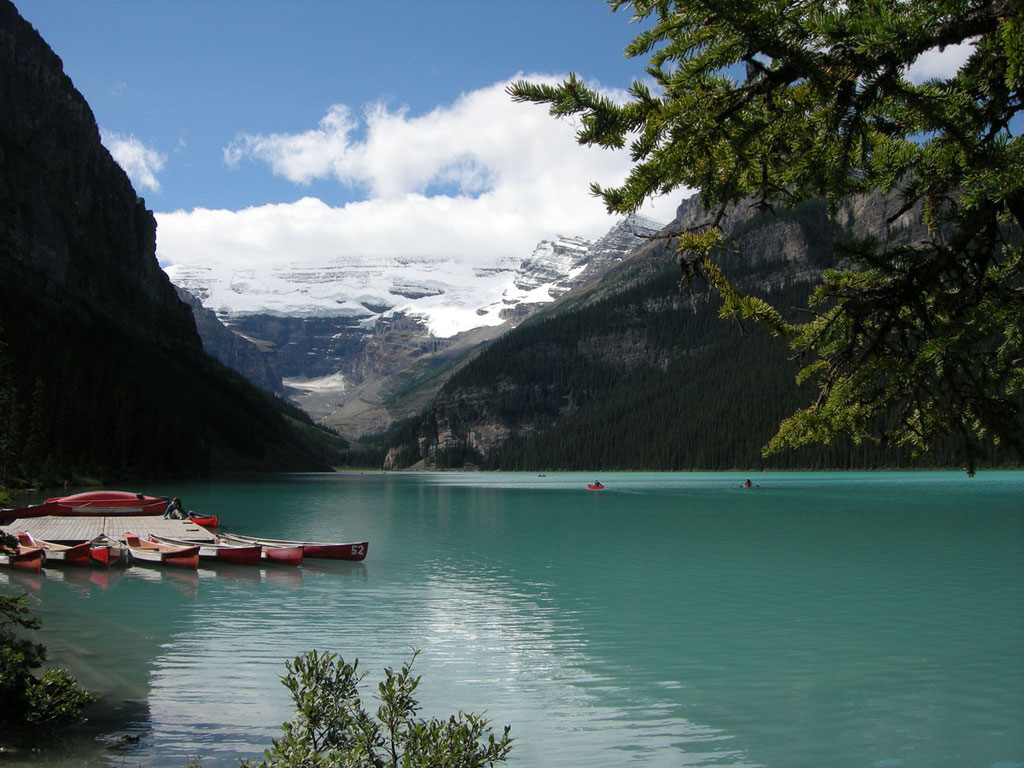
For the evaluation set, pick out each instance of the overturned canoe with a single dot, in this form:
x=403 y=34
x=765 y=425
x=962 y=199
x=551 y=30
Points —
x=315 y=549
x=107 y=503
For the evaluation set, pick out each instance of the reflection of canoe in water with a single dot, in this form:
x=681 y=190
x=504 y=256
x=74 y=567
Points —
x=103 y=578
x=218 y=550
x=25 y=559
x=58 y=554
x=146 y=551
x=318 y=549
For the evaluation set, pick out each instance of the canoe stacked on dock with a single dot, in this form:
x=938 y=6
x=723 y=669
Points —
x=104 y=503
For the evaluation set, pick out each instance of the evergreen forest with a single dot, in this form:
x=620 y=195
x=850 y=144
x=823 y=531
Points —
x=97 y=403
x=647 y=378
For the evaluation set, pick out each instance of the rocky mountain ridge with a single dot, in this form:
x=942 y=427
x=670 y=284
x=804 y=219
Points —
x=102 y=370
x=582 y=376
x=92 y=258
x=449 y=296
x=340 y=365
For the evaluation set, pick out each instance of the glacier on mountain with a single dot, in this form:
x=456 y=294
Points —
x=448 y=295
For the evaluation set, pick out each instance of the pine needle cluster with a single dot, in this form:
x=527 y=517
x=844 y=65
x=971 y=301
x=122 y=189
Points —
x=776 y=102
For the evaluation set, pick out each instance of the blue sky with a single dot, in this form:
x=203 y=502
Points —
x=185 y=78
x=272 y=132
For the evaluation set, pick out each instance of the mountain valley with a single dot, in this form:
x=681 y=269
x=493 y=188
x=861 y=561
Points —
x=361 y=343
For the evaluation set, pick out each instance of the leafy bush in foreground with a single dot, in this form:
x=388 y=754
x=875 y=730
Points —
x=333 y=728
x=29 y=703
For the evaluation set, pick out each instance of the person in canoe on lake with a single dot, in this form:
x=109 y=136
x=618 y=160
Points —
x=174 y=510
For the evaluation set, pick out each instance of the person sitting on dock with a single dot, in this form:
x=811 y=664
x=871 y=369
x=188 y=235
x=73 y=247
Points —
x=174 y=510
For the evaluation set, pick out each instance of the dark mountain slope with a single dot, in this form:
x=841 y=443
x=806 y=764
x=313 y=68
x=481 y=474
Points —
x=631 y=373
x=102 y=372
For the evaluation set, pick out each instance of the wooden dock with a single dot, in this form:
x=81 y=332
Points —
x=86 y=527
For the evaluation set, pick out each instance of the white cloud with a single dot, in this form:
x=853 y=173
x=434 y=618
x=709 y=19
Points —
x=940 y=63
x=141 y=163
x=315 y=154
x=483 y=141
x=477 y=180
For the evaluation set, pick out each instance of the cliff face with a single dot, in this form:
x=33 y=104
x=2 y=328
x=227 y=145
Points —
x=256 y=361
x=626 y=373
x=102 y=371
x=770 y=249
x=73 y=233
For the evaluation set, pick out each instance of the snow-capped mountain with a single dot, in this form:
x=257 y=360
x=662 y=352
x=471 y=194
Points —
x=336 y=332
x=449 y=296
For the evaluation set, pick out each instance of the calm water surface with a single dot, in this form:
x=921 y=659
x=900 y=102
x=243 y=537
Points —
x=669 y=620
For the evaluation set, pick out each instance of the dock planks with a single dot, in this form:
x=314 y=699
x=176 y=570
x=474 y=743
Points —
x=84 y=528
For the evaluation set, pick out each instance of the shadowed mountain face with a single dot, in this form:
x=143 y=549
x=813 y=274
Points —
x=102 y=371
x=634 y=373
x=73 y=233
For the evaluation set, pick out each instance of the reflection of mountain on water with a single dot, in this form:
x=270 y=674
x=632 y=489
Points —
x=104 y=626
x=157 y=645
x=109 y=736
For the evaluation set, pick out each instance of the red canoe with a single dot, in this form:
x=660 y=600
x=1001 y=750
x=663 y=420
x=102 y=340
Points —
x=283 y=554
x=595 y=486
x=58 y=554
x=218 y=550
x=106 y=551
x=146 y=551
x=25 y=559
x=107 y=503
x=316 y=549
x=203 y=520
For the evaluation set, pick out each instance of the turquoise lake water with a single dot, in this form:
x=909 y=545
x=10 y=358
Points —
x=818 y=619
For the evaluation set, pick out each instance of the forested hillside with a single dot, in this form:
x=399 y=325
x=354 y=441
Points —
x=640 y=375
